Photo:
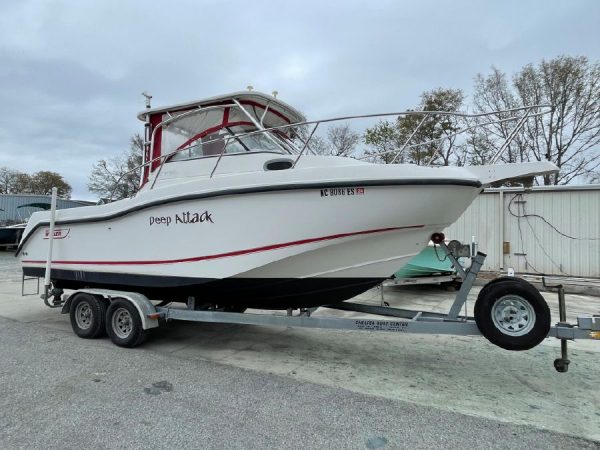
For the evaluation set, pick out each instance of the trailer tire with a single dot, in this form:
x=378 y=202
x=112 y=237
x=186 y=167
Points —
x=512 y=314
x=124 y=325
x=87 y=314
x=502 y=279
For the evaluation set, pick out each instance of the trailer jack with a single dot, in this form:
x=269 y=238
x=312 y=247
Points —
x=561 y=364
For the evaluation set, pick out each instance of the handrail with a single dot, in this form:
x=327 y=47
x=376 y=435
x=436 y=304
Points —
x=522 y=120
x=256 y=123
x=417 y=128
x=510 y=137
x=306 y=144
x=450 y=136
x=225 y=142
x=413 y=113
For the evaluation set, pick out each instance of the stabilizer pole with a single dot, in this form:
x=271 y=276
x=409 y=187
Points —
x=50 y=245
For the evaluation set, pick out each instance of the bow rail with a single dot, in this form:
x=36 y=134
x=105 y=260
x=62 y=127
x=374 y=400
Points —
x=299 y=129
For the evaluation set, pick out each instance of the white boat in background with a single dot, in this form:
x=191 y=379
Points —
x=232 y=214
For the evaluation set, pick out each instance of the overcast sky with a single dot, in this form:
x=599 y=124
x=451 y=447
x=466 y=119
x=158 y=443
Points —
x=71 y=72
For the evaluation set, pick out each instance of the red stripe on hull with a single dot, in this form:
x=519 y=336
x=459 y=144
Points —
x=228 y=254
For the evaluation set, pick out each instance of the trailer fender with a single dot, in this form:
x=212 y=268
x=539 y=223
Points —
x=140 y=301
x=66 y=308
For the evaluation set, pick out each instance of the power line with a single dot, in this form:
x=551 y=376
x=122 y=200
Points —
x=525 y=215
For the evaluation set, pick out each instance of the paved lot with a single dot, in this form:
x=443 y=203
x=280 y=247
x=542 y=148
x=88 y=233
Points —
x=58 y=391
x=210 y=385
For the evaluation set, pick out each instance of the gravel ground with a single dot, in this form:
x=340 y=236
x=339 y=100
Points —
x=59 y=391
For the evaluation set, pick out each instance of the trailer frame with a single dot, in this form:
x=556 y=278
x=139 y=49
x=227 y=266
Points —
x=402 y=320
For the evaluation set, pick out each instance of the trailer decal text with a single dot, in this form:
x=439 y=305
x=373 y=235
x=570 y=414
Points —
x=381 y=325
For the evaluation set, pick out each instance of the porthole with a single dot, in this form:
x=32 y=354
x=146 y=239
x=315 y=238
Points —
x=278 y=164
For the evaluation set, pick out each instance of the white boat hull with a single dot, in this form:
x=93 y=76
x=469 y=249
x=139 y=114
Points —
x=278 y=249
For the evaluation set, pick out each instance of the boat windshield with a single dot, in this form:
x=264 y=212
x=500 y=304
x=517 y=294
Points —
x=210 y=132
x=226 y=141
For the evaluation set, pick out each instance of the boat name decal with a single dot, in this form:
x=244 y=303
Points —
x=185 y=217
x=59 y=233
x=342 y=192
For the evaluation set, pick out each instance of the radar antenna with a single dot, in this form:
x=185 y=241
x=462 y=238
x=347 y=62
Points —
x=148 y=99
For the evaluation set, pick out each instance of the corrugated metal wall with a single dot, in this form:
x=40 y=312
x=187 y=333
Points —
x=534 y=246
x=11 y=213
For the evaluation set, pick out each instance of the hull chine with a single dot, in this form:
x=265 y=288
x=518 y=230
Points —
x=265 y=293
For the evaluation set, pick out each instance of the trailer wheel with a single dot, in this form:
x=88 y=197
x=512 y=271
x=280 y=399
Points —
x=87 y=314
x=124 y=325
x=512 y=314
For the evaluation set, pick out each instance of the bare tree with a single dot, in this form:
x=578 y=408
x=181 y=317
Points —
x=570 y=135
x=118 y=178
x=8 y=180
x=317 y=145
x=494 y=93
x=342 y=140
x=303 y=140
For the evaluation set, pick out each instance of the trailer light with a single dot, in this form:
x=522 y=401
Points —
x=595 y=334
x=154 y=316
x=438 y=238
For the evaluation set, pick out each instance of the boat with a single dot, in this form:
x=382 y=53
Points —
x=11 y=235
x=428 y=263
x=235 y=212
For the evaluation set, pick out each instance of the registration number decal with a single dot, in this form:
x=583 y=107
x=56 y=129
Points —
x=342 y=192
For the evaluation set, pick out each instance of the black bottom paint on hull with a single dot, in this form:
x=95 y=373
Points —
x=267 y=293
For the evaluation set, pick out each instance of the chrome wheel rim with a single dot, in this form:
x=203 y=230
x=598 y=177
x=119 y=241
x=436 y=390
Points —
x=83 y=315
x=513 y=315
x=122 y=323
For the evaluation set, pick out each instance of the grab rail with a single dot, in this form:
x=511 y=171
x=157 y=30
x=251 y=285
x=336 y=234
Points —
x=293 y=126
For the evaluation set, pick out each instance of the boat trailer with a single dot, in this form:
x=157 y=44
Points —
x=509 y=312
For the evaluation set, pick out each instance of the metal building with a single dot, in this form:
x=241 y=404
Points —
x=17 y=208
x=553 y=230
